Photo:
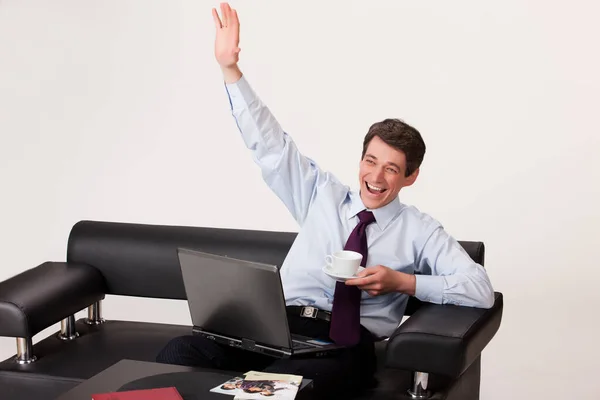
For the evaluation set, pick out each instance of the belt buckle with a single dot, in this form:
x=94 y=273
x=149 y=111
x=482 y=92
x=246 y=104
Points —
x=309 y=312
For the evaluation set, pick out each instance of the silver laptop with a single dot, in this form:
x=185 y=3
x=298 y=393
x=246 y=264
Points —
x=241 y=304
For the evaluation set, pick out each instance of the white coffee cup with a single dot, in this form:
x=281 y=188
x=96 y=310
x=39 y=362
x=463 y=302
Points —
x=344 y=262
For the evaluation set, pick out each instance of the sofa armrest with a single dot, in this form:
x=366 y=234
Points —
x=39 y=297
x=443 y=339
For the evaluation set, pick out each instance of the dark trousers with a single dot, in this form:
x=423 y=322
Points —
x=343 y=373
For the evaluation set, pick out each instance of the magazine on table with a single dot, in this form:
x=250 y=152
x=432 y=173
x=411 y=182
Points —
x=261 y=385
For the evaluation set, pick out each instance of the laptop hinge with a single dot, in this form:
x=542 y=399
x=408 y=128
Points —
x=248 y=344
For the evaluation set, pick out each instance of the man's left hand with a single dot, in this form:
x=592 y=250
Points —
x=380 y=280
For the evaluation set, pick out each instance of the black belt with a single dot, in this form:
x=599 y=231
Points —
x=309 y=312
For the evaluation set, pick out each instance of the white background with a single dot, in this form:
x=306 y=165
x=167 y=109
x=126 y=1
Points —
x=115 y=110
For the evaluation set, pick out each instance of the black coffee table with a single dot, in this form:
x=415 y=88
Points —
x=124 y=372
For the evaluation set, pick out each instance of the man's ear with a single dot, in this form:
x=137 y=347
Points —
x=412 y=177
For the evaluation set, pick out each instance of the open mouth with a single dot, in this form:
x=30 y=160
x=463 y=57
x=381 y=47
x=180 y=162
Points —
x=374 y=189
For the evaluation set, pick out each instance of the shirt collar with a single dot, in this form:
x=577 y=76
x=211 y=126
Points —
x=383 y=215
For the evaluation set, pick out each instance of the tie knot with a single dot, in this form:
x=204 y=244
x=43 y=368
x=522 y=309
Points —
x=366 y=217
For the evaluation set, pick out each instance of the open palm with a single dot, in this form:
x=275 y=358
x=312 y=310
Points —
x=227 y=37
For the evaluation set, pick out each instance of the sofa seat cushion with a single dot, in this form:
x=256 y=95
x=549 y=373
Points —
x=62 y=365
x=97 y=348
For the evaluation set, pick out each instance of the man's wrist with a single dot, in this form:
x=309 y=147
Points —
x=407 y=283
x=231 y=74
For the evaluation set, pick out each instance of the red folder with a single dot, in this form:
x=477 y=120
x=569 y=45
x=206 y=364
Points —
x=168 y=393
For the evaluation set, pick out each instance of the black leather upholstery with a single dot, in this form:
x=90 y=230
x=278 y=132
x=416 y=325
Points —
x=37 y=298
x=476 y=250
x=141 y=260
x=128 y=254
x=62 y=365
x=443 y=339
x=97 y=348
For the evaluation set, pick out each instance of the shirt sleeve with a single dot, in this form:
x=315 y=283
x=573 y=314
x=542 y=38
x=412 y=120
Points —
x=293 y=177
x=448 y=275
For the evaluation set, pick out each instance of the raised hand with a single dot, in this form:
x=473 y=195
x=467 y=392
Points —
x=227 y=38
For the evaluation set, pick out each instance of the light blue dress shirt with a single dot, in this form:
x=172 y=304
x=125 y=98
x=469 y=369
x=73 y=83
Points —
x=402 y=238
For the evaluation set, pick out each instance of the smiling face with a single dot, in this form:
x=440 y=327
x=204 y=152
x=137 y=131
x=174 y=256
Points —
x=382 y=174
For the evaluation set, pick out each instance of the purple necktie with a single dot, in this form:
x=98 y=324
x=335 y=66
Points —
x=345 y=315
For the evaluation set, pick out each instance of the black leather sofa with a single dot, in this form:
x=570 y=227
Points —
x=437 y=351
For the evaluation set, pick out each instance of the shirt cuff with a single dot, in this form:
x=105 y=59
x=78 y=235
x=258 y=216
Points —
x=240 y=93
x=429 y=288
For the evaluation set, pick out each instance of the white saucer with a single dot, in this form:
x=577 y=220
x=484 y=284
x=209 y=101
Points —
x=337 y=277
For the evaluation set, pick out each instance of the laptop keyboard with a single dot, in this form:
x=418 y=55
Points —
x=298 y=345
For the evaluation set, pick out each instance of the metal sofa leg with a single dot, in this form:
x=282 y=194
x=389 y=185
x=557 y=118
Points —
x=67 y=328
x=25 y=351
x=95 y=314
x=419 y=389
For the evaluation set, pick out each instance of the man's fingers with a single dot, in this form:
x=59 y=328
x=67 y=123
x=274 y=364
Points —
x=355 y=282
x=360 y=281
x=366 y=272
x=225 y=13
x=230 y=15
x=364 y=277
x=234 y=17
x=216 y=18
x=371 y=286
x=369 y=280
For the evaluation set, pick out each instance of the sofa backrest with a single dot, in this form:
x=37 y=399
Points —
x=141 y=259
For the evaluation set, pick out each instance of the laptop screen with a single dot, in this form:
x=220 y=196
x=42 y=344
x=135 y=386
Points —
x=235 y=298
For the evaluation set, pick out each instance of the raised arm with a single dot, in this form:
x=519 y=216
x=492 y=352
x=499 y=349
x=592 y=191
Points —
x=294 y=178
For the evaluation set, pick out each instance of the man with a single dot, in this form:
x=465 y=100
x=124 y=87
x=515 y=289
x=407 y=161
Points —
x=396 y=241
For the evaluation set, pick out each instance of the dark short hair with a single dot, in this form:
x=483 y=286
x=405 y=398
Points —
x=401 y=136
